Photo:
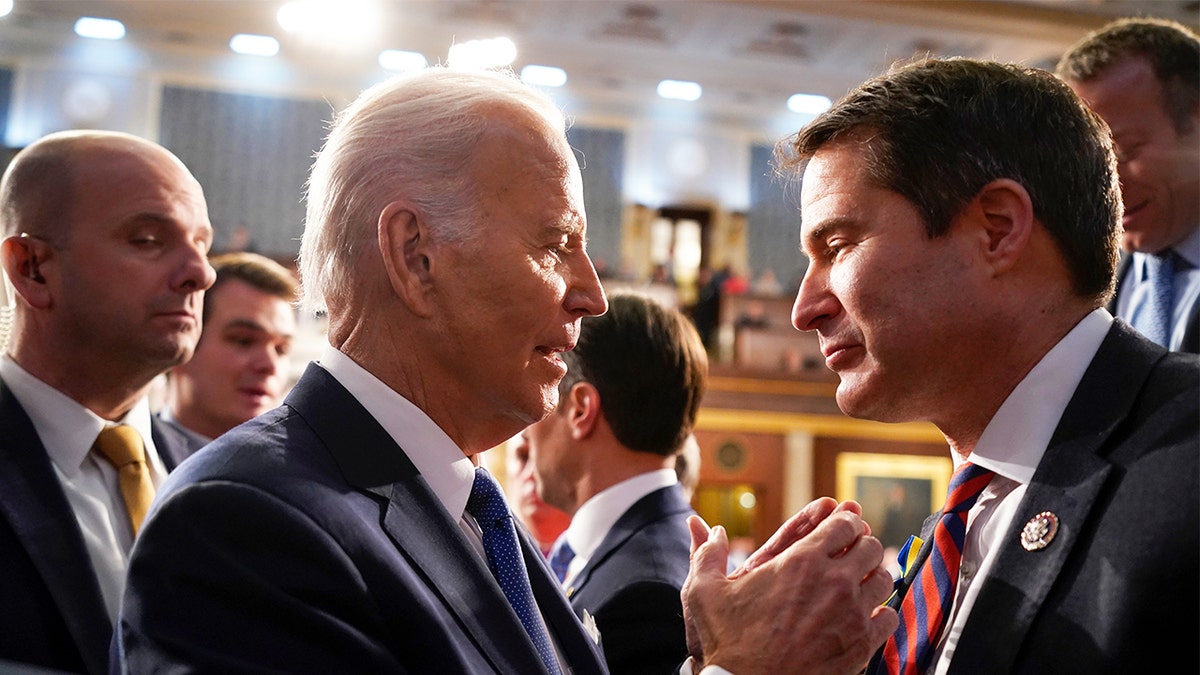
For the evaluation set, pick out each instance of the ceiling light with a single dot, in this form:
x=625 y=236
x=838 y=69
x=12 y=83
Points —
x=6 y=6
x=329 y=19
x=809 y=104
x=103 y=29
x=400 y=60
x=679 y=90
x=489 y=53
x=544 y=76
x=254 y=45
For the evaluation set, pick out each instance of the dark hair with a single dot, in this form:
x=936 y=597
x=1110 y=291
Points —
x=938 y=130
x=258 y=271
x=650 y=368
x=1172 y=49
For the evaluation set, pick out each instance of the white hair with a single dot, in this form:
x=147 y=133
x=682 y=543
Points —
x=413 y=136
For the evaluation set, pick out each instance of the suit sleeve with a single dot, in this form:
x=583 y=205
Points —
x=227 y=578
x=642 y=630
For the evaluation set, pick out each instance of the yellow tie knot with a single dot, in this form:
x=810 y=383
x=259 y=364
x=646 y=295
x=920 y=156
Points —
x=121 y=445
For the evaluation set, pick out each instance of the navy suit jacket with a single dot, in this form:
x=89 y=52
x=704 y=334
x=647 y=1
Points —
x=631 y=585
x=1191 y=335
x=306 y=541
x=1118 y=588
x=51 y=611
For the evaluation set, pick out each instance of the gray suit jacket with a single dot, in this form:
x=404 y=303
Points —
x=51 y=611
x=1118 y=588
x=306 y=541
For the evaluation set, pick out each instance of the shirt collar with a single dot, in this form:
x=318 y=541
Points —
x=67 y=429
x=1015 y=439
x=595 y=518
x=448 y=472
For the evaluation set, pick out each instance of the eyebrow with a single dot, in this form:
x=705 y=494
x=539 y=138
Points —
x=822 y=231
x=153 y=218
x=249 y=324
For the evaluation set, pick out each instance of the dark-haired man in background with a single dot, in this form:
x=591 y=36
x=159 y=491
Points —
x=240 y=369
x=606 y=456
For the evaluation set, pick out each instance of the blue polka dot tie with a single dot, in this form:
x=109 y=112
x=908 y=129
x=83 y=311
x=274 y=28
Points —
x=489 y=509
x=926 y=606
x=1154 y=316
x=561 y=557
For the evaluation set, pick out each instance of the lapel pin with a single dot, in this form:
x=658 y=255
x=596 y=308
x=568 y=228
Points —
x=1039 y=531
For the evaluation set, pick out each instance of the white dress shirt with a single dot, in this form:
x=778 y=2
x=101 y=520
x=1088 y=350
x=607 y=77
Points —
x=1136 y=289
x=91 y=484
x=1012 y=446
x=595 y=518
x=448 y=472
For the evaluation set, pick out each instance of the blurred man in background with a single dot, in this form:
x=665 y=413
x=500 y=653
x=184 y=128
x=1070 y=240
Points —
x=606 y=456
x=1142 y=76
x=241 y=368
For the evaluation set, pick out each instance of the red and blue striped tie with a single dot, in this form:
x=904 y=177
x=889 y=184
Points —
x=923 y=612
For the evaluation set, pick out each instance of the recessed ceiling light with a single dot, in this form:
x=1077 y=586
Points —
x=544 y=76
x=6 y=6
x=809 y=104
x=254 y=45
x=680 y=90
x=400 y=60
x=489 y=53
x=103 y=29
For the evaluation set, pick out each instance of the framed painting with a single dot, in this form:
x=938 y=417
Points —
x=897 y=492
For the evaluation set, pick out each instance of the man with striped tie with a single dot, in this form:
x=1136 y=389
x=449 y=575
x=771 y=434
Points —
x=961 y=219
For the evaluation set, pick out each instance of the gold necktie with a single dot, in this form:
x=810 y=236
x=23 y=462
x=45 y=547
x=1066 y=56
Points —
x=122 y=446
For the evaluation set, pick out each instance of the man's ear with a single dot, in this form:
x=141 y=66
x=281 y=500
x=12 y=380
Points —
x=583 y=409
x=1006 y=212
x=407 y=253
x=25 y=260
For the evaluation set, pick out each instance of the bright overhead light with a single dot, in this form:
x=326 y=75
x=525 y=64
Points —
x=103 y=29
x=6 y=6
x=679 y=90
x=809 y=104
x=329 y=19
x=400 y=60
x=254 y=45
x=489 y=53
x=544 y=76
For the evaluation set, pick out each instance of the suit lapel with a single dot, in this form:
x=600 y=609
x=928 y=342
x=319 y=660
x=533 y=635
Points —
x=654 y=506
x=581 y=651
x=1068 y=480
x=174 y=444
x=32 y=501
x=416 y=522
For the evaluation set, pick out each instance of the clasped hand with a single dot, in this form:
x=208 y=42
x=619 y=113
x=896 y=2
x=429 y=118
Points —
x=807 y=601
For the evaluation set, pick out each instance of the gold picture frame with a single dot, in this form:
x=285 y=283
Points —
x=897 y=492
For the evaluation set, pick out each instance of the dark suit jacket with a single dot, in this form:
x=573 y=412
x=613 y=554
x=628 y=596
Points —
x=1191 y=335
x=306 y=541
x=51 y=611
x=1118 y=588
x=631 y=585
